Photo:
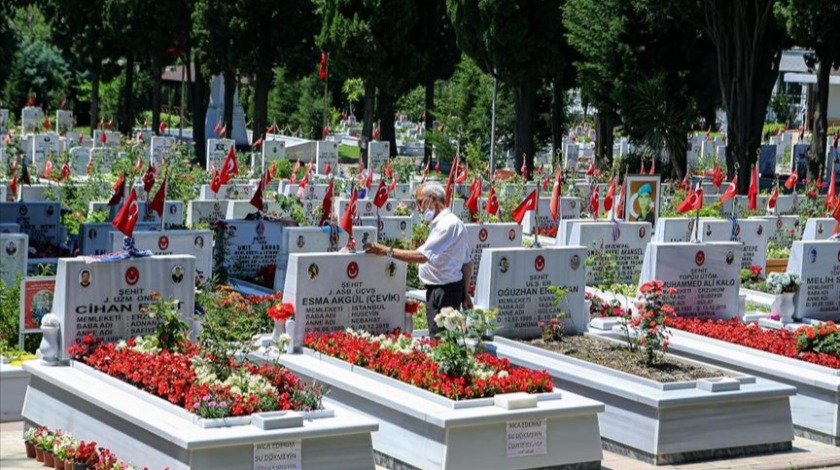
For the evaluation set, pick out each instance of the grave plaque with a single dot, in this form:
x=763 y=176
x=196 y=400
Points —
x=206 y=212
x=198 y=243
x=105 y=299
x=391 y=227
x=482 y=236
x=335 y=291
x=625 y=242
x=364 y=208
x=112 y=139
x=751 y=232
x=101 y=159
x=326 y=153
x=819 y=228
x=272 y=151
x=572 y=155
x=706 y=276
x=227 y=191
x=674 y=229
x=313 y=192
x=217 y=152
x=644 y=199
x=378 y=154
x=9 y=228
x=38 y=192
x=818 y=262
x=44 y=147
x=63 y=121
x=95 y=237
x=782 y=230
x=36 y=299
x=14 y=251
x=314 y=240
x=39 y=220
x=516 y=281
x=160 y=148
x=253 y=245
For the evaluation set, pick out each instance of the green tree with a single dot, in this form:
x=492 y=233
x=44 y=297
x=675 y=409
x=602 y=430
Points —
x=748 y=39
x=813 y=24
x=520 y=42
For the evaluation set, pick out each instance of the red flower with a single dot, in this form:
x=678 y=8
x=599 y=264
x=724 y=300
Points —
x=412 y=307
x=281 y=312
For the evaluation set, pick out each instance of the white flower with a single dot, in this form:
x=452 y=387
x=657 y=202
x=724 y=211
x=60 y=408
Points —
x=50 y=320
x=502 y=374
x=283 y=341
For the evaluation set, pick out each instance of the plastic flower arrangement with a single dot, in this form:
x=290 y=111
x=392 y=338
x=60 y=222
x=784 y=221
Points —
x=281 y=312
x=779 y=283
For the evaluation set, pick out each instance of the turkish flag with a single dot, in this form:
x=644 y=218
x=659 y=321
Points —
x=790 y=183
x=388 y=171
x=327 y=168
x=48 y=168
x=257 y=199
x=149 y=178
x=619 y=204
x=65 y=171
x=326 y=204
x=229 y=168
x=47 y=123
x=752 y=194
x=594 y=202
x=698 y=198
x=159 y=199
x=527 y=204
x=257 y=143
x=774 y=197
x=831 y=195
x=103 y=137
x=139 y=164
x=554 y=206
x=322 y=70
x=524 y=170
x=350 y=214
x=472 y=201
x=731 y=190
x=272 y=171
x=13 y=182
x=127 y=217
x=119 y=190
x=717 y=176
x=393 y=185
x=450 y=180
x=369 y=180
x=295 y=169
x=301 y=192
x=381 y=196
x=462 y=174
x=492 y=202
x=162 y=127
x=688 y=203
x=608 y=199
x=836 y=213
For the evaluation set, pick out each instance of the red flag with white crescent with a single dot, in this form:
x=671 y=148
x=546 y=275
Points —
x=381 y=196
x=556 y=192
x=160 y=198
x=48 y=168
x=492 y=202
x=731 y=190
x=126 y=218
x=791 y=180
x=326 y=204
x=229 y=168
x=527 y=204
x=346 y=222
x=774 y=197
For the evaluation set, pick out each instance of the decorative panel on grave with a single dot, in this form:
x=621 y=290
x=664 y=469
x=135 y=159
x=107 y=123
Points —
x=206 y=212
x=112 y=139
x=95 y=237
x=300 y=240
x=326 y=153
x=313 y=192
x=227 y=191
x=782 y=230
x=706 y=276
x=63 y=121
x=253 y=245
x=105 y=298
x=31 y=118
x=79 y=157
x=160 y=148
x=564 y=230
x=217 y=152
x=625 y=241
x=39 y=220
x=516 y=281
x=819 y=228
x=14 y=249
x=570 y=208
x=45 y=146
x=818 y=262
x=334 y=291
x=674 y=229
x=390 y=227
x=751 y=232
x=483 y=236
x=272 y=150
x=38 y=192
x=197 y=243
x=102 y=158
x=364 y=208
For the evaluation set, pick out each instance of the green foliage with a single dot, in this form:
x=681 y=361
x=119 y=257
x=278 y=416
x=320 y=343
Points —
x=823 y=338
x=171 y=332
x=9 y=312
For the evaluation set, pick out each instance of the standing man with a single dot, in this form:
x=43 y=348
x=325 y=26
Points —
x=445 y=259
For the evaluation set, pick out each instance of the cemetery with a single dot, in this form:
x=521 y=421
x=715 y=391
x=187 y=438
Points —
x=571 y=234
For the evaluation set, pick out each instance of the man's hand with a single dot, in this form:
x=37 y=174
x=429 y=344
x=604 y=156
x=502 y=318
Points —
x=375 y=249
x=466 y=302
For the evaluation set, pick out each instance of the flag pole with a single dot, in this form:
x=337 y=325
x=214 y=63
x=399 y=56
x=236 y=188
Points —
x=165 y=188
x=537 y=219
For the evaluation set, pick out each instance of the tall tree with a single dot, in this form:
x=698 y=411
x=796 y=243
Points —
x=516 y=40
x=813 y=24
x=748 y=39
x=369 y=39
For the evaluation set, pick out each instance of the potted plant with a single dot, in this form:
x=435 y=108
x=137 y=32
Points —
x=43 y=441
x=784 y=286
x=64 y=448
x=85 y=457
x=47 y=444
x=29 y=442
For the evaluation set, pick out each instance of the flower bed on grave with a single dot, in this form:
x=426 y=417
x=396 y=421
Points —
x=417 y=362
x=195 y=382
x=818 y=344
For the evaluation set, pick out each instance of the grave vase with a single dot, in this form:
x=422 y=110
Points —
x=49 y=345
x=279 y=329
x=290 y=330
x=787 y=307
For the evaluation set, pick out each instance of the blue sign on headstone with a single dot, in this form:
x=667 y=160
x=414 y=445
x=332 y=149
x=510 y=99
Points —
x=767 y=160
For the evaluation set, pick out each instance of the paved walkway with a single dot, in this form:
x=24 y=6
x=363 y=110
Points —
x=805 y=455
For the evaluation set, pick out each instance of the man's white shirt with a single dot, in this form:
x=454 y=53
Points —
x=447 y=250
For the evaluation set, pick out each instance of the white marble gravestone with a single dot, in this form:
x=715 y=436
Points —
x=253 y=244
x=105 y=299
x=112 y=139
x=14 y=250
x=206 y=212
x=516 y=281
x=821 y=228
x=364 y=208
x=197 y=243
x=484 y=236
x=95 y=237
x=390 y=227
x=782 y=229
x=160 y=148
x=751 y=232
x=272 y=151
x=217 y=152
x=571 y=154
x=326 y=153
x=627 y=245
x=45 y=146
x=378 y=154
x=313 y=192
x=101 y=159
x=569 y=209
x=63 y=121
x=818 y=262
x=40 y=220
x=299 y=240
x=674 y=229
x=79 y=157
x=334 y=291
x=706 y=276
x=227 y=191
x=31 y=118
